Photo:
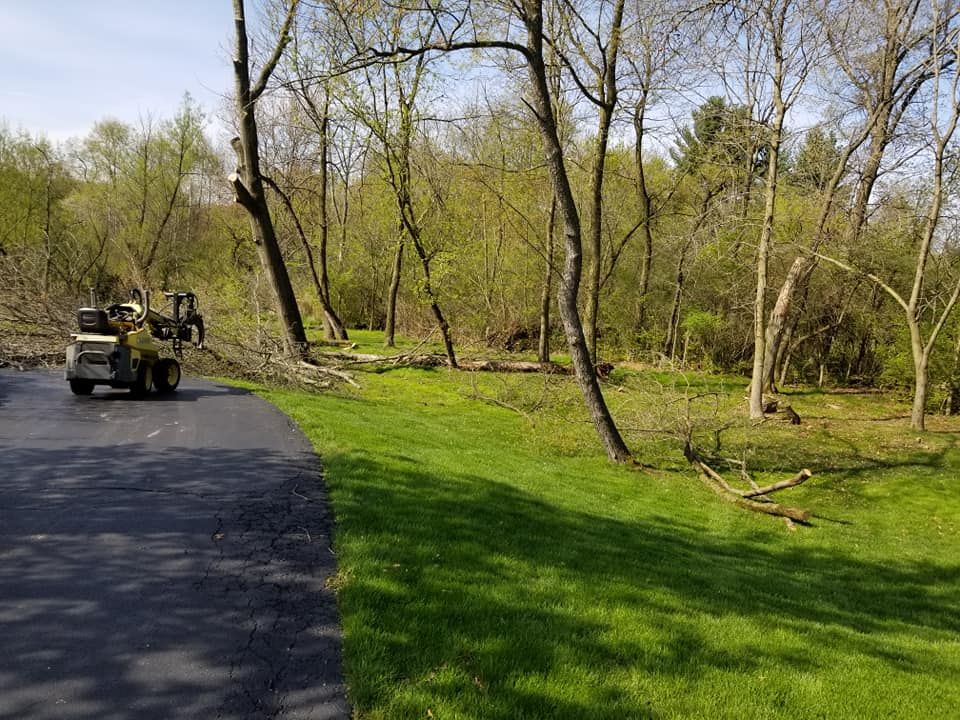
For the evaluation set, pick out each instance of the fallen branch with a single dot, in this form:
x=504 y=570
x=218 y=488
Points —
x=430 y=361
x=744 y=498
x=797 y=479
x=327 y=371
x=515 y=366
x=770 y=508
x=402 y=360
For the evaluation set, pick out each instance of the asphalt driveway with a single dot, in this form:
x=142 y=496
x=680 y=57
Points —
x=161 y=558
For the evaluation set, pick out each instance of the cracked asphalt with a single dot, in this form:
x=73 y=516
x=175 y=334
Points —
x=161 y=558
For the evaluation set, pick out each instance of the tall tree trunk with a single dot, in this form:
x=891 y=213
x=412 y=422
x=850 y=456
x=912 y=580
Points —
x=546 y=295
x=583 y=368
x=391 y=319
x=405 y=206
x=248 y=183
x=442 y=323
x=673 y=324
x=776 y=323
x=921 y=361
x=646 y=209
x=766 y=235
x=921 y=351
x=786 y=358
x=397 y=152
x=333 y=328
x=595 y=234
x=607 y=101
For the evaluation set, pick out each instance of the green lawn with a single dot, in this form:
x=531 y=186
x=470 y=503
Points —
x=494 y=565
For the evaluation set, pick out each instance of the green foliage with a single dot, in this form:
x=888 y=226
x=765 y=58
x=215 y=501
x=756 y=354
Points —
x=702 y=325
x=703 y=329
x=148 y=205
x=722 y=136
x=816 y=161
x=897 y=361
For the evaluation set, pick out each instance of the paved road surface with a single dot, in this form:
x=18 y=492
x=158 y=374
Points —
x=161 y=558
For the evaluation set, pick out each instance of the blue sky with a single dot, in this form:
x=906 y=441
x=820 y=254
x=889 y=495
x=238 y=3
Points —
x=65 y=64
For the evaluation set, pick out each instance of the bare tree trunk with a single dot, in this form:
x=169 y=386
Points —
x=442 y=323
x=592 y=305
x=785 y=366
x=397 y=155
x=673 y=324
x=921 y=352
x=333 y=328
x=766 y=234
x=405 y=207
x=570 y=279
x=799 y=270
x=248 y=183
x=784 y=354
x=391 y=320
x=546 y=295
x=759 y=341
x=606 y=100
x=921 y=361
x=646 y=209
x=304 y=243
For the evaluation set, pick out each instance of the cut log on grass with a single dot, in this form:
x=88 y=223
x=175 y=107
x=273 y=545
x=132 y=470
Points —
x=308 y=369
x=769 y=508
x=797 y=479
x=511 y=366
x=392 y=361
x=431 y=361
x=745 y=498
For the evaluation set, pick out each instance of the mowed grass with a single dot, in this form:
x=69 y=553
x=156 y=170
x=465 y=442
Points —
x=493 y=564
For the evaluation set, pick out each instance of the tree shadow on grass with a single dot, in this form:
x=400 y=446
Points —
x=472 y=592
x=854 y=462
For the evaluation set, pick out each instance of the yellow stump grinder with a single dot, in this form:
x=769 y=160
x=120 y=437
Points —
x=119 y=345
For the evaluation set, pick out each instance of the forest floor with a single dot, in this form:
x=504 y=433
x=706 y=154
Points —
x=493 y=564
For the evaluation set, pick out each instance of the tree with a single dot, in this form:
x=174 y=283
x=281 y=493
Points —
x=775 y=14
x=652 y=49
x=455 y=26
x=38 y=261
x=774 y=46
x=314 y=100
x=598 y=50
x=945 y=101
x=248 y=181
x=532 y=51
x=142 y=192
x=394 y=119
x=884 y=79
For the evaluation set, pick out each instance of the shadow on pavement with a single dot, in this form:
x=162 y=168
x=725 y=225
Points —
x=138 y=582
